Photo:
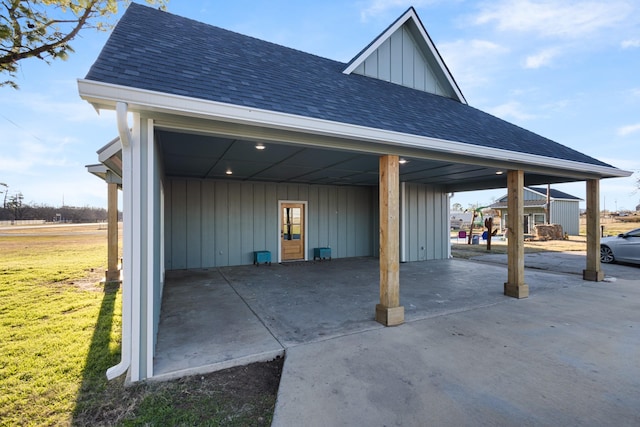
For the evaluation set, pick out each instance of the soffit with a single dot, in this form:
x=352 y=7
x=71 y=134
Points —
x=198 y=155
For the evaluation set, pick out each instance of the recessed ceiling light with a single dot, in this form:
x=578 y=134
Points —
x=499 y=172
x=403 y=161
x=229 y=172
x=260 y=147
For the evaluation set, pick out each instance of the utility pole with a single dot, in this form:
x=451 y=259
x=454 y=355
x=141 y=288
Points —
x=548 y=203
x=6 y=191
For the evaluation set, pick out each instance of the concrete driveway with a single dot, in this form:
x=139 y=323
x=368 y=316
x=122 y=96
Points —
x=572 y=262
x=567 y=355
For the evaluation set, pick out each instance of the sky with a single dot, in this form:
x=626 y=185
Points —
x=568 y=70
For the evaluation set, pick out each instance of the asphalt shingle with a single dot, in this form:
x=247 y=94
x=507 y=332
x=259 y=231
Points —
x=155 y=50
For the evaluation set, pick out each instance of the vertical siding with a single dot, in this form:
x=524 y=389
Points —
x=167 y=224
x=178 y=221
x=259 y=218
x=194 y=223
x=341 y=243
x=217 y=223
x=567 y=214
x=530 y=195
x=399 y=60
x=426 y=227
x=375 y=221
x=208 y=231
x=220 y=220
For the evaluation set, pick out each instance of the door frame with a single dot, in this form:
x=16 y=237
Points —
x=305 y=203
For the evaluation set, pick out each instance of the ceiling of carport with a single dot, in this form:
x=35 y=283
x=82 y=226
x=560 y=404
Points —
x=201 y=156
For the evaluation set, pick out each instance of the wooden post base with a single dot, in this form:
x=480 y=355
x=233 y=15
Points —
x=593 y=276
x=112 y=275
x=389 y=316
x=516 y=291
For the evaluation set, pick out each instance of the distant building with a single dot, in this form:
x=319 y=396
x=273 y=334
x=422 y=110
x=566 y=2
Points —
x=459 y=219
x=565 y=209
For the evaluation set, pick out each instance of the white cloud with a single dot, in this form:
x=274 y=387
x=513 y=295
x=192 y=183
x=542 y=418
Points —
x=631 y=43
x=511 y=109
x=541 y=59
x=472 y=61
x=554 y=18
x=30 y=152
x=628 y=130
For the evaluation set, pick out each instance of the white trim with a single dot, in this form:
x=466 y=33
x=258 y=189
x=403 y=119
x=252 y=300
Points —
x=409 y=15
x=135 y=258
x=306 y=227
x=403 y=222
x=127 y=274
x=105 y=95
x=109 y=150
x=150 y=245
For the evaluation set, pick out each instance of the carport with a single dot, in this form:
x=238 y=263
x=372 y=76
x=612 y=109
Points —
x=239 y=146
x=213 y=319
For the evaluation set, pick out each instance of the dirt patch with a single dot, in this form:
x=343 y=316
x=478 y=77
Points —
x=243 y=395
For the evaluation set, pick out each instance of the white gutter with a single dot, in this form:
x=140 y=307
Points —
x=125 y=140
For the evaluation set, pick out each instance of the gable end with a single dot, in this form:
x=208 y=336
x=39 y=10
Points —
x=404 y=54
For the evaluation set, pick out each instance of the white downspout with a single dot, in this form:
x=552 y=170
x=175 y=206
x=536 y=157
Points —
x=449 y=196
x=125 y=141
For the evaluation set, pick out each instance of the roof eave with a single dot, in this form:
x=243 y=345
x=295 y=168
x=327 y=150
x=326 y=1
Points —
x=331 y=134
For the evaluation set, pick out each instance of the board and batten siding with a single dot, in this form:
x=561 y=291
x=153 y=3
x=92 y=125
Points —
x=424 y=221
x=567 y=214
x=399 y=60
x=221 y=223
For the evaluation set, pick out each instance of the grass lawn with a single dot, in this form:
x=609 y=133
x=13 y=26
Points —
x=60 y=331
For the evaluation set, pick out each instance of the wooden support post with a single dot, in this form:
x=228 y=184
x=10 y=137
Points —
x=593 y=271
x=389 y=312
x=112 y=274
x=515 y=286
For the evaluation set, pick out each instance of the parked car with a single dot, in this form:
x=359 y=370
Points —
x=624 y=247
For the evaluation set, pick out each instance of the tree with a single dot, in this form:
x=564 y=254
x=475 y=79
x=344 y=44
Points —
x=16 y=206
x=456 y=207
x=43 y=28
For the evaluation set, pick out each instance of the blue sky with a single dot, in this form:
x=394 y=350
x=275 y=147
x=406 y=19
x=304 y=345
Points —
x=568 y=70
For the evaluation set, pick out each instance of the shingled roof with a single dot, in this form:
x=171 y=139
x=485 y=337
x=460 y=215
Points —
x=554 y=194
x=157 y=51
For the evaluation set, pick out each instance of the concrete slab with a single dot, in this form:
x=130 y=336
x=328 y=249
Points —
x=205 y=326
x=308 y=302
x=567 y=356
x=467 y=355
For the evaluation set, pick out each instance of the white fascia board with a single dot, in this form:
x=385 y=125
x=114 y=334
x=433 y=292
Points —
x=410 y=14
x=97 y=169
x=109 y=150
x=106 y=95
x=378 y=42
